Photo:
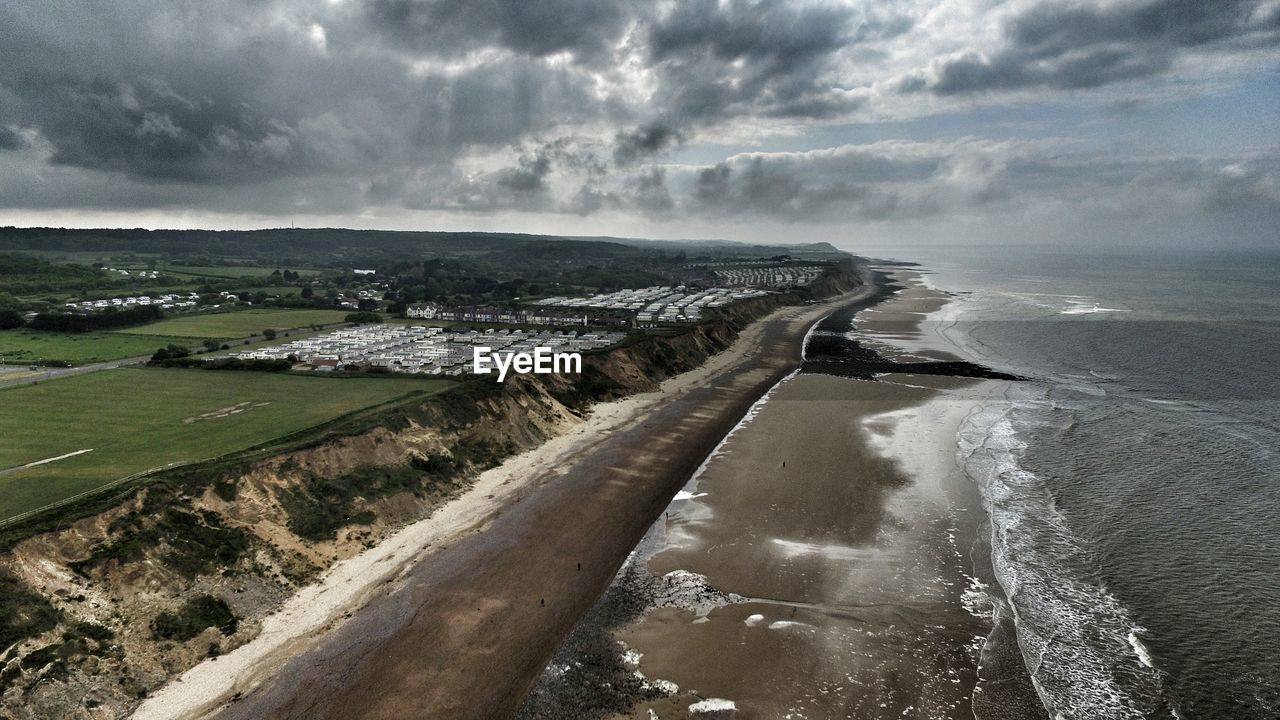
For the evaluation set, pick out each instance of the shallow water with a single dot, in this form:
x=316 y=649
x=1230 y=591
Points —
x=1133 y=487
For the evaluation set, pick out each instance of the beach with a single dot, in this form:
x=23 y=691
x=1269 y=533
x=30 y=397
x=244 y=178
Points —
x=826 y=561
x=456 y=616
x=850 y=558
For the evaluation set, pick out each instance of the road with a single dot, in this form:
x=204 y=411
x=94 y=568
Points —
x=55 y=373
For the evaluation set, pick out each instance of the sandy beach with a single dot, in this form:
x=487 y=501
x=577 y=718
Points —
x=832 y=538
x=456 y=615
x=850 y=558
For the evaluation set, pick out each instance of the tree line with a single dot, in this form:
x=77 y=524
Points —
x=106 y=320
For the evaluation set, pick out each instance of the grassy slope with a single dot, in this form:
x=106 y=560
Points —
x=134 y=421
x=236 y=324
x=26 y=346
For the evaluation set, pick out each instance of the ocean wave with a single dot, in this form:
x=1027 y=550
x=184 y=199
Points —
x=1089 y=310
x=1082 y=648
x=1140 y=648
x=1061 y=304
x=1079 y=644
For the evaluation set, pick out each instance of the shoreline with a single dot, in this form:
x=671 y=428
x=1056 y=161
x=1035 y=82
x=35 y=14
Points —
x=825 y=560
x=313 y=619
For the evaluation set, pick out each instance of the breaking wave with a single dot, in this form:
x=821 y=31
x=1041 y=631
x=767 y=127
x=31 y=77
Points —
x=1080 y=646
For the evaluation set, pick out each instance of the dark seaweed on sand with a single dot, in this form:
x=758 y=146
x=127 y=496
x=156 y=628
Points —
x=836 y=354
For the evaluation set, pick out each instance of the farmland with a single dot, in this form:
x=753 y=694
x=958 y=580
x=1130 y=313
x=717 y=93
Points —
x=237 y=324
x=31 y=346
x=136 y=419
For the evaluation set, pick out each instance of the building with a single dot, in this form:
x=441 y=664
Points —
x=481 y=314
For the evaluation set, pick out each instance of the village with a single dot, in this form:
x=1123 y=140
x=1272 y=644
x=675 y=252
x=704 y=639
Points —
x=420 y=350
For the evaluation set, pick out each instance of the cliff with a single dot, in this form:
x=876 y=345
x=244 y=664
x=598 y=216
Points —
x=112 y=604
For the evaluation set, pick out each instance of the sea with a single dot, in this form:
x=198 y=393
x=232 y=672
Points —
x=1132 y=484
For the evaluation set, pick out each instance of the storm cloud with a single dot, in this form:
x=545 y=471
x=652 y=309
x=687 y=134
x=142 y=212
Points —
x=1071 y=46
x=912 y=180
x=658 y=112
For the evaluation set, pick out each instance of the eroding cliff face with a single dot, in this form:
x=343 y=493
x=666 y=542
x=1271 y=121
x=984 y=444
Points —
x=245 y=537
x=113 y=605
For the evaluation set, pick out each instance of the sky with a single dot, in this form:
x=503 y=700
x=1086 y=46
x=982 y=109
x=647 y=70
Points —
x=1135 y=123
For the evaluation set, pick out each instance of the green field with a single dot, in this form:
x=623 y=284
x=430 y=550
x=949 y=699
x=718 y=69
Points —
x=136 y=419
x=236 y=324
x=29 y=346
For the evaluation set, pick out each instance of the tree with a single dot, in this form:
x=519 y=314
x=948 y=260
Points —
x=169 y=353
x=307 y=293
x=269 y=333
x=363 y=317
x=10 y=319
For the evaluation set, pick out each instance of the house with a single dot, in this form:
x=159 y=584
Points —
x=426 y=311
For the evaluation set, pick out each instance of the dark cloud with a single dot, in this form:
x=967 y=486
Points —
x=574 y=106
x=1071 y=46
x=911 y=181
x=765 y=57
x=786 y=35
x=529 y=177
x=758 y=188
x=10 y=140
x=150 y=130
x=785 y=191
x=225 y=94
x=644 y=141
x=590 y=200
x=586 y=28
x=712 y=187
x=648 y=192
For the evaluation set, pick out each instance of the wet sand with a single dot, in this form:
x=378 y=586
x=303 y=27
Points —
x=851 y=558
x=464 y=628
x=827 y=561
